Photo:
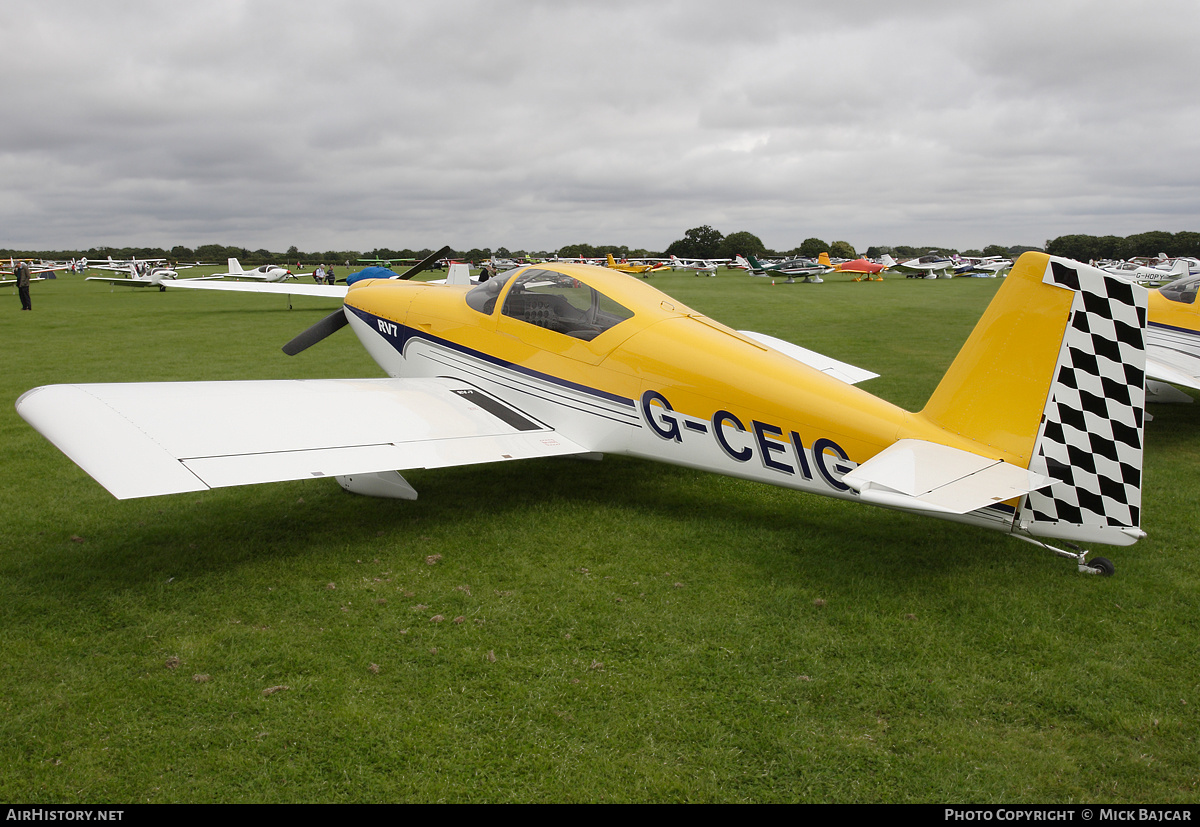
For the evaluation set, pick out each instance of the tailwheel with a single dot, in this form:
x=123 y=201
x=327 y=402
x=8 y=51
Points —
x=1102 y=566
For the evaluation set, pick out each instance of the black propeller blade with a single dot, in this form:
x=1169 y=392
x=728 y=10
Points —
x=424 y=265
x=336 y=320
x=331 y=324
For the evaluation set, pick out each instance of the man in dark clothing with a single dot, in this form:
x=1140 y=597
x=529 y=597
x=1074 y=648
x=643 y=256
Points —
x=22 y=274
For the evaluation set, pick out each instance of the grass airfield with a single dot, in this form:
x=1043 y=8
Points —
x=567 y=630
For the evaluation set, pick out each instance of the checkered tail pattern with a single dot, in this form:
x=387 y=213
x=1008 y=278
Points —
x=1090 y=437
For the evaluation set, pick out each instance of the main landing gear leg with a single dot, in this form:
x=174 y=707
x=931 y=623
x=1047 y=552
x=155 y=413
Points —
x=1098 y=565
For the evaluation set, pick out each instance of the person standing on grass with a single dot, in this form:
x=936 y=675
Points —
x=22 y=274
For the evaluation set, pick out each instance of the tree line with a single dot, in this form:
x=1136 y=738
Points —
x=698 y=242
x=1095 y=248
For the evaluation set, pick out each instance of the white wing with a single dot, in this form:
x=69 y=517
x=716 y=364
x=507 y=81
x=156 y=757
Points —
x=128 y=282
x=847 y=373
x=1173 y=366
x=337 y=291
x=140 y=440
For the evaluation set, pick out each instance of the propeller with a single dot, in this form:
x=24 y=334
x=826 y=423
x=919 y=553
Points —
x=336 y=320
x=331 y=324
x=425 y=264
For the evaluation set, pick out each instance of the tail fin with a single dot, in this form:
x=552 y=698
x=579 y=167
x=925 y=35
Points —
x=1053 y=378
x=824 y=259
x=756 y=266
x=235 y=268
x=887 y=260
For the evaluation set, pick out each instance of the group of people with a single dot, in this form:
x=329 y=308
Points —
x=323 y=276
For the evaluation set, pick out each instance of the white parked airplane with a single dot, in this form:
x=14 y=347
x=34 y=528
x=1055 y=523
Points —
x=158 y=277
x=926 y=267
x=264 y=272
x=698 y=265
x=1142 y=274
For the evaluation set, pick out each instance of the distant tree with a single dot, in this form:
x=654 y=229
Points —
x=1150 y=244
x=181 y=253
x=1086 y=247
x=813 y=247
x=842 y=249
x=698 y=242
x=903 y=251
x=1187 y=244
x=577 y=250
x=995 y=250
x=741 y=243
x=293 y=253
x=211 y=252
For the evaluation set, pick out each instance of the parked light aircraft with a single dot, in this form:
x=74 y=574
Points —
x=859 y=266
x=1035 y=430
x=926 y=267
x=1143 y=273
x=122 y=265
x=1173 y=340
x=35 y=271
x=264 y=272
x=637 y=269
x=791 y=268
x=36 y=268
x=459 y=274
x=980 y=266
x=698 y=265
x=153 y=277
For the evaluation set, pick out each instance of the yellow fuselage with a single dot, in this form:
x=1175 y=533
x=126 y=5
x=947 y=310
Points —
x=667 y=384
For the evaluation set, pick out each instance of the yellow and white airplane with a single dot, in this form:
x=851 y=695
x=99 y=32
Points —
x=1173 y=340
x=635 y=269
x=1035 y=430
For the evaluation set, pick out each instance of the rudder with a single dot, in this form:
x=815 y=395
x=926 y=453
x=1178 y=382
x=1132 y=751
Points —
x=1053 y=379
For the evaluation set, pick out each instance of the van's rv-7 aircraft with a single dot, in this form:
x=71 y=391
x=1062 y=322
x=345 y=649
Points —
x=1173 y=340
x=1035 y=430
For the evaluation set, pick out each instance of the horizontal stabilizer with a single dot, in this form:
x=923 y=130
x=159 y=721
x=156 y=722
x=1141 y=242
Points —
x=916 y=475
x=171 y=437
x=838 y=370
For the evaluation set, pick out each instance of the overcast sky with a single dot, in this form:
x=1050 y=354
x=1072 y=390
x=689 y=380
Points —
x=532 y=125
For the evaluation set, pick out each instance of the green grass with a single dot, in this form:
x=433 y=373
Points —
x=612 y=631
